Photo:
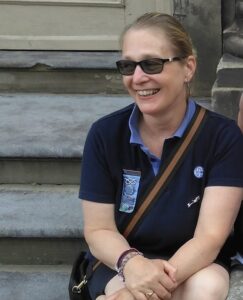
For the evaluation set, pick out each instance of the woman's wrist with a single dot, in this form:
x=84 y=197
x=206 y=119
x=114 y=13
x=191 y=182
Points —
x=123 y=259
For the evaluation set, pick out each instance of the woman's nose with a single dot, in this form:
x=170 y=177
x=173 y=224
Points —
x=139 y=75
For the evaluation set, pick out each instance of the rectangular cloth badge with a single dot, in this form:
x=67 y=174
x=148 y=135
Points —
x=131 y=181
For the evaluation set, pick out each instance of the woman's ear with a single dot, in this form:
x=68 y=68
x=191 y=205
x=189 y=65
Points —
x=190 y=67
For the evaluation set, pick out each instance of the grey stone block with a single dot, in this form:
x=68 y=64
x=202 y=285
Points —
x=39 y=80
x=236 y=285
x=40 y=170
x=58 y=59
x=60 y=72
x=51 y=211
x=34 y=282
x=230 y=72
x=203 y=21
x=51 y=283
x=42 y=135
x=40 y=224
x=226 y=100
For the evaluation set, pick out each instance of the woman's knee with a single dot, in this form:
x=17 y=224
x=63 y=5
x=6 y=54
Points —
x=100 y=298
x=211 y=283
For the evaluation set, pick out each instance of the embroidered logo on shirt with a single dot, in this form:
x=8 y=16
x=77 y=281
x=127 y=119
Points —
x=131 y=181
x=189 y=204
x=198 y=172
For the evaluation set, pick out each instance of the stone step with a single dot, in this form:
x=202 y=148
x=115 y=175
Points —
x=225 y=100
x=42 y=135
x=40 y=224
x=60 y=72
x=236 y=285
x=34 y=282
x=51 y=282
x=230 y=72
x=228 y=86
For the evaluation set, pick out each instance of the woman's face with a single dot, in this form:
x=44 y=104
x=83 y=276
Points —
x=155 y=93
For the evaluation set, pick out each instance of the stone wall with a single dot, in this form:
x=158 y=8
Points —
x=203 y=21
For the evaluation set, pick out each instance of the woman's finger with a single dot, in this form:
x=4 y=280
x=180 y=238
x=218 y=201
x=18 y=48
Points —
x=159 y=292
x=170 y=270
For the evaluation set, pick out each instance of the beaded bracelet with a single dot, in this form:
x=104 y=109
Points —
x=118 y=264
x=123 y=259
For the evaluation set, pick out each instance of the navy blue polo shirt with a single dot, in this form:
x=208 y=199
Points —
x=115 y=171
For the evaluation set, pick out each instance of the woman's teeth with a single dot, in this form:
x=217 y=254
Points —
x=147 y=92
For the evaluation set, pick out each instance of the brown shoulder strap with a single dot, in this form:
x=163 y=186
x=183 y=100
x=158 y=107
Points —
x=165 y=175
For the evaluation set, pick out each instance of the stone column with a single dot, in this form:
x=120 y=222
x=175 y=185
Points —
x=203 y=21
x=229 y=84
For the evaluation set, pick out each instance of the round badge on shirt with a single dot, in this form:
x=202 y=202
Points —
x=198 y=172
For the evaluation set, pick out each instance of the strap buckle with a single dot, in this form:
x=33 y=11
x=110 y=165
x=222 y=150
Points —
x=78 y=288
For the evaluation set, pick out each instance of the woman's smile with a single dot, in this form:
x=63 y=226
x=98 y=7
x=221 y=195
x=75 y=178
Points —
x=147 y=92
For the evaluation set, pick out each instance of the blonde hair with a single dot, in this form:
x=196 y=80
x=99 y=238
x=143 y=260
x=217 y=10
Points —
x=176 y=33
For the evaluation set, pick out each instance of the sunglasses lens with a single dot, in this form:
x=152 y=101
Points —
x=152 y=66
x=126 y=67
x=149 y=66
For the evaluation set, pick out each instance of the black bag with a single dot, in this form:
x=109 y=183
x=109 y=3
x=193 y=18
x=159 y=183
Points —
x=77 y=287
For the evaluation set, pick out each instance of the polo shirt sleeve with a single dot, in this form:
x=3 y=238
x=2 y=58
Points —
x=227 y=161
x=96 y=180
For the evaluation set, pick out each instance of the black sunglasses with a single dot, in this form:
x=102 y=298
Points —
x=150 y=66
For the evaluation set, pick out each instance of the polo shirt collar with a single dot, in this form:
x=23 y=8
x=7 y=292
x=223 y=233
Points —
x=133 y=123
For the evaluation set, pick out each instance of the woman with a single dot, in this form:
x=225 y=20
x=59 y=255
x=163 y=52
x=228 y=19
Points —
x=179 y=251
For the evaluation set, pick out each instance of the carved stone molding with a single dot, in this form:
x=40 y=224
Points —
x=181 y=8
x=233 y=27
x=96 y=3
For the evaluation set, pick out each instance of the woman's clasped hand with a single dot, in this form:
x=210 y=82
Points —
x=145 y=279
x=142 y=275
